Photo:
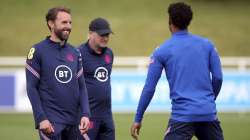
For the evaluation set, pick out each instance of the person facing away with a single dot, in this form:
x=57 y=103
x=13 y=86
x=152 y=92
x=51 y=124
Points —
x=55 y=82
x=97 y=60
x=193 y=70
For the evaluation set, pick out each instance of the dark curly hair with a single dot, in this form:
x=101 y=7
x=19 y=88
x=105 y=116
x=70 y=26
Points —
x=180 y=15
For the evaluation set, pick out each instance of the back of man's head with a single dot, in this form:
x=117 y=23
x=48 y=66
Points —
x=180 y=15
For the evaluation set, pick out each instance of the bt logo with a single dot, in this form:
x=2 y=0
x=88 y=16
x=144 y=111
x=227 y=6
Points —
x=101 y=74
x=63 y=74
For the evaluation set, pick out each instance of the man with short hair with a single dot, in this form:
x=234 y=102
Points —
x=97 y=60
x=55 y=82
x=194 y=74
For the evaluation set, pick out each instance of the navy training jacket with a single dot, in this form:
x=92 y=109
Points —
x=55 y=83
x=97 y=71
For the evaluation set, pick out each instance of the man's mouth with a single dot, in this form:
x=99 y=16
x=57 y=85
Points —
x=66 y=32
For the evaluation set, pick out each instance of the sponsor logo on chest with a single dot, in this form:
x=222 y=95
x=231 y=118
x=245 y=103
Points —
x=63 y=74
x=101 y=74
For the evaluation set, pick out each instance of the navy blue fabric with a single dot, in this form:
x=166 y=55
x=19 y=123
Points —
x=55 y=83
x=62 y=132
x=186 y=130
x=97 y=70
x=101 y=130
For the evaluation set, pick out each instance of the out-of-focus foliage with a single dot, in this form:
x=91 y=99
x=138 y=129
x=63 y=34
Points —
x=139 y=25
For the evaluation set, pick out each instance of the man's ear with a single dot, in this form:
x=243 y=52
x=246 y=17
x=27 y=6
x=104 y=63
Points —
x=51 y=24
x=90 y=34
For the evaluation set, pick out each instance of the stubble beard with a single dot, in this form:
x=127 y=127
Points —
x=62 y=34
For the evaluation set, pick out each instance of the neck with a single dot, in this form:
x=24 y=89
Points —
x=174 y=29
x=54 y=38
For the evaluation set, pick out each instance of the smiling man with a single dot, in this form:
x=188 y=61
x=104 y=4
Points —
x=97 y=65
x=55 y=82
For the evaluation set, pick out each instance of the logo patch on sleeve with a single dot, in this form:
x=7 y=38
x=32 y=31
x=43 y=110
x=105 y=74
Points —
x=151 y=60
x=70 y=57
x=107 y=59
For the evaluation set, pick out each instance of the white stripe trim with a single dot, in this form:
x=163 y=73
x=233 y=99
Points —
x=44 y=136
x=86 y=137
x=168 y=130
x=79 y=73
x=33 y=71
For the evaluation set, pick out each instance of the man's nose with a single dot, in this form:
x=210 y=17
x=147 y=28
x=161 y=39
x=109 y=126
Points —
x=68 y=25
x=106 y=38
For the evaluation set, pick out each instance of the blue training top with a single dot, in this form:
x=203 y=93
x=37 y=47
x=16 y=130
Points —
x=97 y=71
x=194 y=74
x=55 y=83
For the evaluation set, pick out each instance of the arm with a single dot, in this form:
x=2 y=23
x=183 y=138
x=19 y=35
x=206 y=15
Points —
x=216 y=71
x=32 y=82
x=154 y=73
x=84 y=103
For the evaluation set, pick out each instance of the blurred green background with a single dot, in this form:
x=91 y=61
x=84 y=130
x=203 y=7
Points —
x=139 y=25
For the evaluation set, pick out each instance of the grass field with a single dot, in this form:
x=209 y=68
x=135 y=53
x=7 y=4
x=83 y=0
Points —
x=139 y=25
x=236 y=126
